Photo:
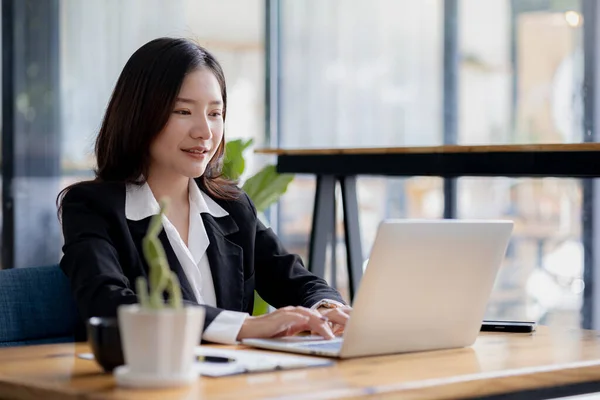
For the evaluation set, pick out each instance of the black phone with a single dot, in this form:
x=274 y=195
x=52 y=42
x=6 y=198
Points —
x=508 y=326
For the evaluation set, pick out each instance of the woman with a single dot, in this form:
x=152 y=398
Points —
x=163 y=136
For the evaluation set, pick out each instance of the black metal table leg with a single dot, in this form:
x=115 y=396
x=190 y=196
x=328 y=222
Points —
x=333 y=281
x=352 y=233
x=322 y=224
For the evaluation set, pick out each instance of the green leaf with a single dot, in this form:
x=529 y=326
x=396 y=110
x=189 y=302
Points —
x=233 y=162
x=261 y=307
x=160 y=276
x=266 y=187
x=142 y=292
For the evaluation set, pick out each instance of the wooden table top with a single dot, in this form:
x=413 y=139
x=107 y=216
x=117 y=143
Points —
x=496 y=363
x=559 y=147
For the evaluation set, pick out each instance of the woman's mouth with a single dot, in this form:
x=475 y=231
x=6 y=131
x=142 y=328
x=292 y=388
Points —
x=197 y=152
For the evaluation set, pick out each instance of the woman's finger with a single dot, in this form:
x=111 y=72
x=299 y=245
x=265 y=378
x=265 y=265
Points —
x=286 y=324
x=346 y=309
x=337 y=316
x=316 y=322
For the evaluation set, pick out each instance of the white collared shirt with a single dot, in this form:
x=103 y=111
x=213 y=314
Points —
x=140 y=203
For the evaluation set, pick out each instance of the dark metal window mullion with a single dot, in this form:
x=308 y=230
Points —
x=591 y=187
x=451 y=71
x=8 y=129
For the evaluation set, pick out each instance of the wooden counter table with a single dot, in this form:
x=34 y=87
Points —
x=575 y=160
x=547 y=362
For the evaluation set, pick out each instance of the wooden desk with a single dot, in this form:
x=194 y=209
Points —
x=496 y=364
x=579 y=160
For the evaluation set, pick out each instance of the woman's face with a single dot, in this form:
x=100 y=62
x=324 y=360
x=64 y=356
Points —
x=194 y=130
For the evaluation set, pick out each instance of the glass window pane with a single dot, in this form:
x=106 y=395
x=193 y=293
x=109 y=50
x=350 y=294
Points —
x=357 y=73
x=97 y=38
x=360 y=73
x=521 y=71
x=541 y=277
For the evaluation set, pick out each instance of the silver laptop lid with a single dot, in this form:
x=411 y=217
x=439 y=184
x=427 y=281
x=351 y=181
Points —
x=426 y=285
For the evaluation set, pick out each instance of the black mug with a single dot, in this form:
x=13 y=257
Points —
x=105 y=339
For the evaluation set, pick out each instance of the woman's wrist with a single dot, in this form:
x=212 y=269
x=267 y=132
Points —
x=246 y=328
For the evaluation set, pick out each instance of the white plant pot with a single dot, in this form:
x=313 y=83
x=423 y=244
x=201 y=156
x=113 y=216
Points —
x=158 y=346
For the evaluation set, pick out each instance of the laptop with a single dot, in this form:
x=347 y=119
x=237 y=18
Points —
x=426 y=287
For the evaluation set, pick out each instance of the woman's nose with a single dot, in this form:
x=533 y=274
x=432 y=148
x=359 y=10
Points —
x=201 y=129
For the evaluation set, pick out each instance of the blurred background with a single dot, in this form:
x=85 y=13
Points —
x=314 y=73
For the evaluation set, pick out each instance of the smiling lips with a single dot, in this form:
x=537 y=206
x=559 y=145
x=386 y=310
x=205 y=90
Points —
x=197 y=151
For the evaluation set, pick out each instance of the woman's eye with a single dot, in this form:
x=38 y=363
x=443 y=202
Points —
x=182 y=112
x=215 y=114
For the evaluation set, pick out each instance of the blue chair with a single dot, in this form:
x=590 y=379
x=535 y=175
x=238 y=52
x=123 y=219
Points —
x=36 y=307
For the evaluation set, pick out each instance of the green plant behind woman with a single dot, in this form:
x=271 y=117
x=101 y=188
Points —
x=264 y=189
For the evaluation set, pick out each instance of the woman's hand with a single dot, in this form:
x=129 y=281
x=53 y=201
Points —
x=287 y=321
x=338 y=318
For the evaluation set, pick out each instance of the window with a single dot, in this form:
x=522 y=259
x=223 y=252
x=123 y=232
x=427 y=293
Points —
x=521 y=73
x=63 y=82
x=369 y=74
x=365 y=73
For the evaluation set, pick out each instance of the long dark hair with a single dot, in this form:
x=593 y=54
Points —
x=139 y=109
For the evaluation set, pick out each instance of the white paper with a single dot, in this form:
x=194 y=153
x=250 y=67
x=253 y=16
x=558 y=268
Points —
x=247 y=361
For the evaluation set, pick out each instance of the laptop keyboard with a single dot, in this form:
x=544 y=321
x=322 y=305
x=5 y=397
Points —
x=334 y=346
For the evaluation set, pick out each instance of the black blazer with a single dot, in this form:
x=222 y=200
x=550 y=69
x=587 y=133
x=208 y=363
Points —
x=103 y=256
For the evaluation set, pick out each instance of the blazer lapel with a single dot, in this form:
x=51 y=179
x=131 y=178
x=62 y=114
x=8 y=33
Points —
x=226 y=263
x=138 y=231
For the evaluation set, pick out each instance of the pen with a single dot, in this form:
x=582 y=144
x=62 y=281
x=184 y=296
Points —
x=214 y=359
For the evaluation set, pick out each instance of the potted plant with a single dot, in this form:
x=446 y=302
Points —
x=264 y=189
x=158 y=336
